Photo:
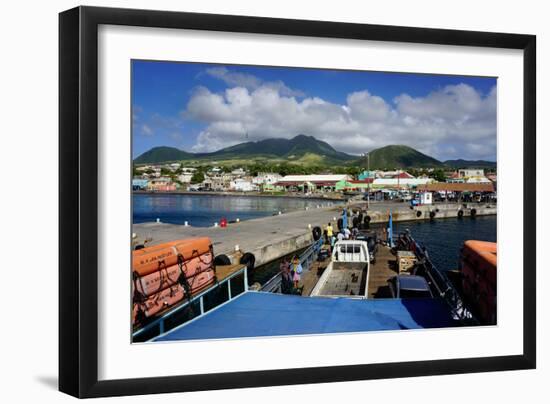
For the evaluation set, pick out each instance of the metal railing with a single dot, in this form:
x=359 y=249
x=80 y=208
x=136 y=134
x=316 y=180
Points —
x=441 y=283
x=160 y=321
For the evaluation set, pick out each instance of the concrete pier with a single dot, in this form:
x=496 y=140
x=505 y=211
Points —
x=438 y=211
x=272 y=237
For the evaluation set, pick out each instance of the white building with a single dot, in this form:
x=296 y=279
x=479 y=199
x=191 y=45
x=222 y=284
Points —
x=477 y=180
x=185 y=178
x=266 y=178
x=156 y=172
x=239 y=172
x=469 y=172
x=401 y=182
x=242 y=185
x=315 y=178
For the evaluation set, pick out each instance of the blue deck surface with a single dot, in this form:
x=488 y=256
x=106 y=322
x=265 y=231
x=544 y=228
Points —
x=255 y=314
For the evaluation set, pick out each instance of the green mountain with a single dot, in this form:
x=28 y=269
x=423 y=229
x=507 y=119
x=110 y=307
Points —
x=308 y=151
x=398 y=156
x=294 y=148
x=162 y=154
x=470 y=163
x=299 y=148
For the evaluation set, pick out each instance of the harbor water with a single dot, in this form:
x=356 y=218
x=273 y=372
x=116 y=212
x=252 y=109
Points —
x=202 y=210
x=444 y=237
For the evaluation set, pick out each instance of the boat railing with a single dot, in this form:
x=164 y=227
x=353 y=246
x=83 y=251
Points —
x=160 y=324
x=438 y=279
x=307 y=257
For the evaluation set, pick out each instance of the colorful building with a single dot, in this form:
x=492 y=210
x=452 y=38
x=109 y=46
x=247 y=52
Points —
x=139 y=184
x=400 y=183
x=309 y=183
x=366 y=174
x=162 y=184
x=354 y=185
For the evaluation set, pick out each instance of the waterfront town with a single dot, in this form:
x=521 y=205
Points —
x=381 y=185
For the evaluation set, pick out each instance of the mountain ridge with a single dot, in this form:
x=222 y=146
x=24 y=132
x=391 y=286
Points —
x=307 y=148
x=293 y=148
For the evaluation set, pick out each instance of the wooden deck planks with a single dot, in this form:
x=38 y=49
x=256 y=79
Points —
x=381 y=272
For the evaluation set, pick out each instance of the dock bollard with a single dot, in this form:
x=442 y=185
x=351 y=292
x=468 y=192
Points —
x=158 y=220
x=280 y=213
x=186 y=223
x=238 y=220
x=215 y=224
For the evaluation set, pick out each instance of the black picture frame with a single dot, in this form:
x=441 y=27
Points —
x=78 y=196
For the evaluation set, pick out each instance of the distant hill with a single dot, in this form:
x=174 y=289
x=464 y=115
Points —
x=299 y=148
x=399 y=156
x=162 y=154
x=470 y=163
x=307 y=150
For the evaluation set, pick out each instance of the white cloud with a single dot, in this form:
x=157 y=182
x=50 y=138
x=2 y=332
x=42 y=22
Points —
x=234 y=78
x=451 y=122
x=146 y=130
x=250 y=82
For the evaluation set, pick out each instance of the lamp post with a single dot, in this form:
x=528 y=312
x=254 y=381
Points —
x=368 y=178
x=398 y=175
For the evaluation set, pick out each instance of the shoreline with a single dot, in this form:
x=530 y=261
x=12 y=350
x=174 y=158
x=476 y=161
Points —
x=247 y=194
x=271 y=237
x=379 y=217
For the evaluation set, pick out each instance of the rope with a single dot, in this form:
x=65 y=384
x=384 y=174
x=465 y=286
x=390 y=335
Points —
x=182 y=280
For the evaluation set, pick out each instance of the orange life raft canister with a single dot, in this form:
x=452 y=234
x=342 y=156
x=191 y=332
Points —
x=151 y=259
x=166 y=277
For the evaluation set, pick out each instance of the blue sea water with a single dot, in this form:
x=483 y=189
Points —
x=204 y=210
x=444 y=237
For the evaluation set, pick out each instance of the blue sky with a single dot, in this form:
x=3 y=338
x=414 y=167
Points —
x=203 y=107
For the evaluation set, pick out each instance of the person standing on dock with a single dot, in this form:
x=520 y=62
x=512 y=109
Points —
x=330 y=232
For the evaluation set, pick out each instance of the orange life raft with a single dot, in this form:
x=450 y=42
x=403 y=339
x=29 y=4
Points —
x=151 y=259
x=174 y=294
x=479 y=281
x=165 y=277
x=166 y=274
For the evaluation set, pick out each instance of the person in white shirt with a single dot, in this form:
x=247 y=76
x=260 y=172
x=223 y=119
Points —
x=347 y=233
